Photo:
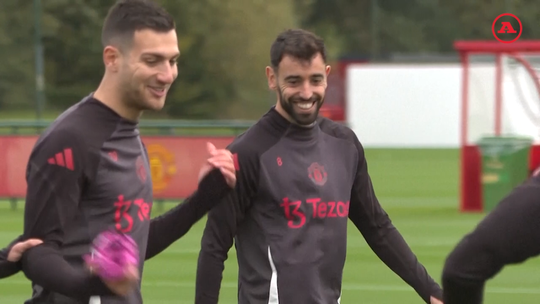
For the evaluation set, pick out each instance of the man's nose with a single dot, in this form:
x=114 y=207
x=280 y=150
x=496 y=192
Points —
x=167 y=74
x=306 y=92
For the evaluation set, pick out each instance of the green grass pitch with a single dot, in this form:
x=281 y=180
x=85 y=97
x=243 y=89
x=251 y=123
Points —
x=419 y=190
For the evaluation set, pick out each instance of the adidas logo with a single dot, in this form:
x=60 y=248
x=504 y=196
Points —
x=63 y=159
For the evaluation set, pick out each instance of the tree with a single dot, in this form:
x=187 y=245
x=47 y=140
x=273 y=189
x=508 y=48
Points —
x=16 y=54
x=226 y=46
x=414 y=26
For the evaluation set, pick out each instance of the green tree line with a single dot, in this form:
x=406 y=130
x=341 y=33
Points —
x=225 y=44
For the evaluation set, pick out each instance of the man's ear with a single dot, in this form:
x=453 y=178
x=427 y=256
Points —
x=271 y=77
x=111 y=58
x=328 y=68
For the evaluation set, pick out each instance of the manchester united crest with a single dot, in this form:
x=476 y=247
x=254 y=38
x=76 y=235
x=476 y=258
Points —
x=317 y=174
x=162 y=166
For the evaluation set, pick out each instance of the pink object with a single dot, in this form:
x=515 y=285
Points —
x=112 y=252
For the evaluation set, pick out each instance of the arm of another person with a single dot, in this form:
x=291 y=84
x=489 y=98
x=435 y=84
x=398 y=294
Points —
x=382 y=236
x=175 y=223
x=218 y=178
x=55 y=178
x=11 y=255
x=220 y=231
x=507 y=235
x=7 y=267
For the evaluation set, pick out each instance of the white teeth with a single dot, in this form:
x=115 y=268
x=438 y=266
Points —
x=305 y=105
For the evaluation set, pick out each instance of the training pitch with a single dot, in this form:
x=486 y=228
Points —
x=419 y=190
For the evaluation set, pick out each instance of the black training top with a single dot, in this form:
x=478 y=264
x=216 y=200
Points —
x=87 y=173
x=288 y=217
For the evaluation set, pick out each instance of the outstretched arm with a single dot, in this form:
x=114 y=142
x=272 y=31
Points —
x=507 y=235
x=384 y=239
x=218 y=178
x=171 y=226
x=11 y=255
x=8 y=267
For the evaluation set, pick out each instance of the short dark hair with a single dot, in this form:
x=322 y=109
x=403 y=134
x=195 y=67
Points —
x=126 y=17
x=298 y=43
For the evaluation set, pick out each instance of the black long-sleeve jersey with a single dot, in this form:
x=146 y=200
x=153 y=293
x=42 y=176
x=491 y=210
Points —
x=507 y=235
x=8 y=268
x=87 y=173
x=296 y=187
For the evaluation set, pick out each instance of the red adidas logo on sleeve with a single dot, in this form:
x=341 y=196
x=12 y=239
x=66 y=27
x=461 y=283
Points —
x=63 y=159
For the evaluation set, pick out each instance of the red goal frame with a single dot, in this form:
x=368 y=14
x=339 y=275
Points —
x=470 y=176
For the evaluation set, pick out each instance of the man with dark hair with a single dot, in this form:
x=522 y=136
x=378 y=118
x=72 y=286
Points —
x=507 y=235
x=10 y=256
x=300 y=178
x=89 y=171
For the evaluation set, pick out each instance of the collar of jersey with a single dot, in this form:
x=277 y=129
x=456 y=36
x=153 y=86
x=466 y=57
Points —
x=291 y=130
x=90 y=99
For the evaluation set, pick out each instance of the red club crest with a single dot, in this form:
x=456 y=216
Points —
x=317 y=174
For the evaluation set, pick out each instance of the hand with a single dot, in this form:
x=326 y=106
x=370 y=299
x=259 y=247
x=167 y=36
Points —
x=16 y=252
x=221 y=159
x=435 y=301
x=123 y=286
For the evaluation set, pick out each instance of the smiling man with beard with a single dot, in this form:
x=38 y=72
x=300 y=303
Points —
x=300 y=178
x=303 y=100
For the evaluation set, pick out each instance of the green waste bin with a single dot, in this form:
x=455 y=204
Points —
x=505 y=164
